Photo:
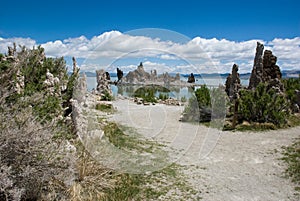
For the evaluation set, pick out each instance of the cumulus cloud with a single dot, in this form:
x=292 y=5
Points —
x=5 y=42
x=199 y=55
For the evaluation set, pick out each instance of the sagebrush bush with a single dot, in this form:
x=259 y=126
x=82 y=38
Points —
x=31 y=156
x=262 y=105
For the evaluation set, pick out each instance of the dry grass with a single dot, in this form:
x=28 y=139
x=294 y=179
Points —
x=93 y=180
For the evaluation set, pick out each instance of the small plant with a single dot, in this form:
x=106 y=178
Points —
x=148 y=94
x=203 y=96
x=106 y=96
x=205 y=105
x=163 y=97
x=105 y=107
x=183 y=99
x=291 y=85
x=292 y=158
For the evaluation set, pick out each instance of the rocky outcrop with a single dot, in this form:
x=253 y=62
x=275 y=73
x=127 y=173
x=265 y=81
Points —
x=167 y=79
x=191 y=78
x=18 y=83
x=171 y=101
x=119 y=74
x=296 y=106
x=51 y=84
x=12 y=50
x=75 y=68
x=103 y=87
x=265 y=70
x=233 y=83
x=297 y=97
x=153 y=75
x=257 y=71
x=271 y=72
x=138 y=75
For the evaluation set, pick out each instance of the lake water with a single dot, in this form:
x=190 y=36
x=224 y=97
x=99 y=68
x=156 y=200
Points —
x=175 y=92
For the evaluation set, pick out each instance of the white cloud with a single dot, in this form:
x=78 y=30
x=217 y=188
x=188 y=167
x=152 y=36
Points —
x=168 y=57
x=4 y=43
x=197 y=55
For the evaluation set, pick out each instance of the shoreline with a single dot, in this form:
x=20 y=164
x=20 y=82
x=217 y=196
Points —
x=226 y=165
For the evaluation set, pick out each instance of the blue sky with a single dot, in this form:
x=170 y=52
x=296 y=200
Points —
x=233 y=20
x=73 y=24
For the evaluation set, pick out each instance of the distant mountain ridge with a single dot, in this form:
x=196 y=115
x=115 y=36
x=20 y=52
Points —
x=285 y=74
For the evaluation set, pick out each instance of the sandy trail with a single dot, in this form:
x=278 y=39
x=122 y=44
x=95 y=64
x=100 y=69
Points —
x=220 y=165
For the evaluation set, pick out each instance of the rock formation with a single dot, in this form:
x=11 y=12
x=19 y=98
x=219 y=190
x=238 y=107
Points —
x=166 y=78
x=138 y=75
x=107 y=75
x=271 y=71
x=119 y=74
x=75 y=68
x=82 y=84
x=256 y=74
x=103 y=87
x=265 y=70
x=177 y=77
x=297 y=97
x=233 y=83
x=20 y=82
x=51 y=84
x=153 y=75
x=191 y=78
x=12 y=50
x=16 y=85
x=296 y=106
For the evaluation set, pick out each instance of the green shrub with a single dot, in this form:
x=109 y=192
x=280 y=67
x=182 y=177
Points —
x=162 y=96
x=203 y=96
x=207 y=104
x=48 y=108
x=290 y=86
x=107 y=96
x=183 y=99
x=34 y=65
x=104 y=107
x=4 y=65
x=262 y=105
x=219 y=102
x=147 y=93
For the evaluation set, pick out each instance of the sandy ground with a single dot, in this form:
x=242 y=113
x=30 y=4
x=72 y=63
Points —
x=219 y=165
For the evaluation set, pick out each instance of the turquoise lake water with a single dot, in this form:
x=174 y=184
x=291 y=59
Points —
x=175 y=92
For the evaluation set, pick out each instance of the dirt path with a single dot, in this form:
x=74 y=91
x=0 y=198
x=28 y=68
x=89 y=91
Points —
x=219 y=165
